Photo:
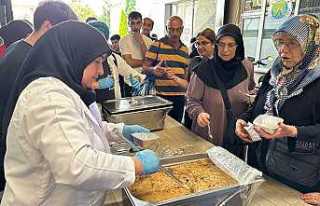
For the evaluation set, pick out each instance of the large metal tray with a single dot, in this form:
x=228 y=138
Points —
x=152 y=119
x=231 y=195
x=134 y=104
x=147 y=111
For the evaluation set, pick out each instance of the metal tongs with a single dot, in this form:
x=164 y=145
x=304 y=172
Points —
x=168 y=172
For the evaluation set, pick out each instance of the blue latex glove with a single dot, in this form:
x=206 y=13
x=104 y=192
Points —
x=129 y=129
x=149 y=160
x=105 y=83
x=135 y=84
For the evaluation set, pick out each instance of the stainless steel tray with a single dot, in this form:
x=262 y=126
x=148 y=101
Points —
x=132 y=104
x=152 y=119
x=147 y=111
x=204 y=198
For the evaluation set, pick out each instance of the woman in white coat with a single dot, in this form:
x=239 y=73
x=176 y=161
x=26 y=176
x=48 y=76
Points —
x=57 y=151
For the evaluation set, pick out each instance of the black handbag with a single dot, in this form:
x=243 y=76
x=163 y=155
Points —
x=231 y=142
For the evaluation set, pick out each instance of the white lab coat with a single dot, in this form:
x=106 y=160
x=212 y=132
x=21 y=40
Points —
x=58 y=153
x=123 y=69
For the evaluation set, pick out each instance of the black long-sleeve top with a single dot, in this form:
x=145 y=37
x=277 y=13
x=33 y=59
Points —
x=301 y=111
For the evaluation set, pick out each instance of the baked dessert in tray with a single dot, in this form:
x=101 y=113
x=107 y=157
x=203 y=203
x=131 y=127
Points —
x=179 y=180
x=200 y=175
x=157 y=187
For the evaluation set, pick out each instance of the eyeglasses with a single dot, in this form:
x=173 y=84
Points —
x=229 y=46
x=290 y=44
x=197 y=44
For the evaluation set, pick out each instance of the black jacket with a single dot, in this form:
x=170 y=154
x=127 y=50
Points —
x=302 y=111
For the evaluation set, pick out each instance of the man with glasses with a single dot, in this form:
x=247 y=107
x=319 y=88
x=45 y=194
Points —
x=134 y=46
x=167 y=59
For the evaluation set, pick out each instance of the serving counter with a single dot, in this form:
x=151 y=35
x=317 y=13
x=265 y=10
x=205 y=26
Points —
x=175 y=139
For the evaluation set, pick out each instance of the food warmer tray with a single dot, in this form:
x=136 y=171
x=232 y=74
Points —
x=148 y=111
x=236 y=195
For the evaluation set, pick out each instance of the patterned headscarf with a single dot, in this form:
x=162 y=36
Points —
x=305 y=30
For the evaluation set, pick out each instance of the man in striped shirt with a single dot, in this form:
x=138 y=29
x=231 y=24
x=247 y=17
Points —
x=167 y=59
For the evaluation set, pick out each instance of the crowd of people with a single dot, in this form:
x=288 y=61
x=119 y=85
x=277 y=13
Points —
x=56 y=72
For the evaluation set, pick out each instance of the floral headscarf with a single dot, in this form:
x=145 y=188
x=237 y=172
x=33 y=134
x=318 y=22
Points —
x=306 y=30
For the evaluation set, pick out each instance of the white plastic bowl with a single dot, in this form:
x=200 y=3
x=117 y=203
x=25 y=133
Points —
x=267 y=122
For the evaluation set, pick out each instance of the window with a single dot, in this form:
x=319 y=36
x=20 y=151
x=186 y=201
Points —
x=310 y=7
x=251 y=5
x=250 y=25
x=260 y=18
x=250 y=35
x=272 y=20
x=204 y=15
x=196 y=14
x=184 y=9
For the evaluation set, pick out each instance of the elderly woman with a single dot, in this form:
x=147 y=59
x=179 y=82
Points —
x=204 y=100
x=57 y=148
x=291 y=154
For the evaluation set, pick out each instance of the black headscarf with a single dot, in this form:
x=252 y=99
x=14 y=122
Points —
x=14 y=31
x=230 y=72
x=63 y=52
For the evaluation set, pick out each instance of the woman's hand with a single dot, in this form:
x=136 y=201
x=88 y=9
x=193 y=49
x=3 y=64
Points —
x=149 y=160
x=283 y=130
x=241 y=132
x=138 y=167
x=311 y=198
x=203 y=119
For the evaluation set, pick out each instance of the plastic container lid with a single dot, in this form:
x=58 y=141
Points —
x=267 y=122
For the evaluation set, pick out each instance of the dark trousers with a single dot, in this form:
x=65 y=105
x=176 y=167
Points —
x=126 y=90
x=178 y=106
